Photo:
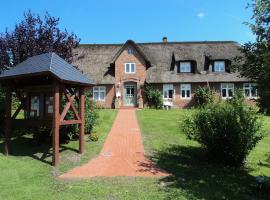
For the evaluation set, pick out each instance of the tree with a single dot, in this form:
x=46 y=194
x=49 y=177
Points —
x=255 y=63
x=33 y=36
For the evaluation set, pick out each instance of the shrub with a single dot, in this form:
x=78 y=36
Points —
x=227 y=130
x=238 y=98
x=154 y=97
x=263 y=184
x=91 y=114
x=203 y=96
x=93 y=137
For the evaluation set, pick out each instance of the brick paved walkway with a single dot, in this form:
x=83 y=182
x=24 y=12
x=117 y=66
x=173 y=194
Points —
x=122 y=153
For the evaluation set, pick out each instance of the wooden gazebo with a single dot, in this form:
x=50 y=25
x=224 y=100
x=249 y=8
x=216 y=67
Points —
x=39 y=83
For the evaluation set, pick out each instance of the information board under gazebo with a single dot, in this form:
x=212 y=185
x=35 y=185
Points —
x=40 y=83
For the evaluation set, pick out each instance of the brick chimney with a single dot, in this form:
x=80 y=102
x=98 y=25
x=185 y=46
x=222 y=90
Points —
x=164 y=39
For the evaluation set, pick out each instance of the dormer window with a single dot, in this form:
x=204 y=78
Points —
x=130 y=68
x=219 y=66
x=184 y=67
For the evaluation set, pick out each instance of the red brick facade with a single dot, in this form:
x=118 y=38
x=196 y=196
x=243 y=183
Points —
x=122 y=78
x=109 y=97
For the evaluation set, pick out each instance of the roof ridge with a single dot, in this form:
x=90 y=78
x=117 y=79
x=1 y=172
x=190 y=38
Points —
x=174 y=42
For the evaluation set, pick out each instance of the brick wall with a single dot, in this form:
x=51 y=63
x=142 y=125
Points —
x=110 y=94
x=186 y=103
x=121 y=77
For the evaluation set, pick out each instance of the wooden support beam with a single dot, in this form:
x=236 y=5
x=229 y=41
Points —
x=56 y=124
x=18 y=110
x=74 y=92
x=64 y=113
x=82 y=111
x=75 y=111
x=8 y=104
x=68 y=122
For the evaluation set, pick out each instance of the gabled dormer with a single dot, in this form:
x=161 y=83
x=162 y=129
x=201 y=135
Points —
x=131 y=49
x=183 y=65
x=218 y=65
x=130 y=63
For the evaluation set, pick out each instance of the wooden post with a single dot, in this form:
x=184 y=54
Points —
x=82 y=110
x=55 y=125
x=7 y=119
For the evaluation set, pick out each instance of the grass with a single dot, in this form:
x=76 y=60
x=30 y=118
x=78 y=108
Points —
x=193 y=176
x=27 y=173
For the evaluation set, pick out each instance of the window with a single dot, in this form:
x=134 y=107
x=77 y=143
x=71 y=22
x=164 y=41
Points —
x=168 y=91
x=250 y=90
x=130 y=51
x=48 y=105
x=99 y=93
x=130 y=68
x=219 y=66
x=34 y=106
x=185 y=91
x=184 y=67
x=227 y=90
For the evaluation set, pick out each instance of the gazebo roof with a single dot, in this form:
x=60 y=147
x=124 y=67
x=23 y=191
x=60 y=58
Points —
x=48 y=63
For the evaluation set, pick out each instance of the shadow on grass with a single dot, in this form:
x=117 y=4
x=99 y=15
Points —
x=24 y=146
x=196 y=178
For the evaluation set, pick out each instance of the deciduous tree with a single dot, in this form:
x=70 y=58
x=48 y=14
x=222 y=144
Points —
x=35 y=35
x=255 y=63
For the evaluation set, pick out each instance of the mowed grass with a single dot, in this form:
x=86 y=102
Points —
x=27 y=173
x=194 y=177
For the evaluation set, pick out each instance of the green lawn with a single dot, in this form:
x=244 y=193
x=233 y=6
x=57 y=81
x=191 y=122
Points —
x=27 y=173
x=194 y=177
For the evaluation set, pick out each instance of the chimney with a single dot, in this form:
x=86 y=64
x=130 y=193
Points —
x=164 y=39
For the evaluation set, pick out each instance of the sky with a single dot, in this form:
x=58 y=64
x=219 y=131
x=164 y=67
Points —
x=115 y=21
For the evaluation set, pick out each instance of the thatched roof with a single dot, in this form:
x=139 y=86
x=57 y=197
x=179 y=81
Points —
x=96 y=60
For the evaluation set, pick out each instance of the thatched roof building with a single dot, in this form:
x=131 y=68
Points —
x=96 y=60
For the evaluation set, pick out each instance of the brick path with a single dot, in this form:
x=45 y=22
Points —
x=122 y=153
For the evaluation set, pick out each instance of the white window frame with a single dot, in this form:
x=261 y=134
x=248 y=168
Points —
x=99 y=90
x=185 y=87
x=250 y=86
x=128 y=66
x=227 y=87
x=218 y=67
x=185 y=67
x=166 y=89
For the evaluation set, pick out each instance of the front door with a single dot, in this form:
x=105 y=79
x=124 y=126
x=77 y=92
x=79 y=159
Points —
x=130 y=95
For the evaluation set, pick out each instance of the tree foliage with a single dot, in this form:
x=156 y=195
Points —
x=255 y=63
x=35 y=35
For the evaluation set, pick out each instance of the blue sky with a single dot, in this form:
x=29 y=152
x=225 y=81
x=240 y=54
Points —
x=115 y=21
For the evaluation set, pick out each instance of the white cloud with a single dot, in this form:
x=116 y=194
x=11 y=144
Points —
x=201 y=15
